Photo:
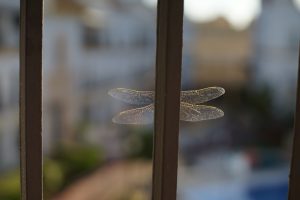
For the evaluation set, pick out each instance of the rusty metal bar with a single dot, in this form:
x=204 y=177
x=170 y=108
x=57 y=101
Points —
x=167 y=98
x=294 y=182
x=31 y=98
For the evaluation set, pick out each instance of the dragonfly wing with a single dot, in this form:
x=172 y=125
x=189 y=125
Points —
x=194 y=113
x=143 y=115
x=133 y=97
x=202 y=95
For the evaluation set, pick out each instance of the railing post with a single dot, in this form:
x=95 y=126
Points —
x=31 y=99
x=294 y=182
x=167 y=98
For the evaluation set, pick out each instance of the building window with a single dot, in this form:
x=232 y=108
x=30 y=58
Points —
x=92 y=37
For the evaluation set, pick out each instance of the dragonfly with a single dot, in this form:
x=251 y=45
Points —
x=190 y=110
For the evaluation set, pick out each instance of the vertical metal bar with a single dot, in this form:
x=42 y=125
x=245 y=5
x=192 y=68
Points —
x=31 y=98
x=294 y=192
x=167 y=98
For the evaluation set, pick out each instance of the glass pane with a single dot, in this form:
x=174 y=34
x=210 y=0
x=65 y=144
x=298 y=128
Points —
x=9 y=100
x=250 y=48
x=91 y=48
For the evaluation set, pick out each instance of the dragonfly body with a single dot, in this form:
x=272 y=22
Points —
x=189 y=108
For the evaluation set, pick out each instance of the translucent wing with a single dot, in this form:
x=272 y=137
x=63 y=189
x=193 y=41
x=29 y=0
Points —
x=143 y=115
x=135 y=97
x=202 y=95
x=194 y=113
x=132 y=97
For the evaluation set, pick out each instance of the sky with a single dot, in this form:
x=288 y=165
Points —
x=239 y=13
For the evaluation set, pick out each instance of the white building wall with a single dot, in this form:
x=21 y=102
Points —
x=277 y=35
x=9 y=143
x=8 y=4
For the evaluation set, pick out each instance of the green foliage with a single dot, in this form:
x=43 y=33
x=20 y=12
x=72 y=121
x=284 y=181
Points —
x=53 y=177
x=82 y=128
x=76 y=160
x=68 y=163
x=10 y=186
x=258 y=101
x=140 y=143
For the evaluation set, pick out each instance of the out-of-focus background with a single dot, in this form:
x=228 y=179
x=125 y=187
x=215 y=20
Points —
x=249 y=47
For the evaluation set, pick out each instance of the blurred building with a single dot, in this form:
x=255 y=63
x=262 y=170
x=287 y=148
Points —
x=276 y=38
x=9 y=115
x=9 y=24
x=89 y=47
x=9 y=83
x=222 y=54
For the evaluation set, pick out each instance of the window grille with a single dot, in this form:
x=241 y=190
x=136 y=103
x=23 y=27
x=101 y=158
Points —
x=167 y=105
x=31 y=99
x=167 y=99
x=295 y=163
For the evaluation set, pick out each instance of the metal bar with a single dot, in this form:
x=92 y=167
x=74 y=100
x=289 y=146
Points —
x=294 y=192
x=31 y=99
x=167 y=98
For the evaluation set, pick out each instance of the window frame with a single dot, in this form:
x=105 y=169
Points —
x=167 y=103
x=167 y=98
x=30 y=115
x=294 y=178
